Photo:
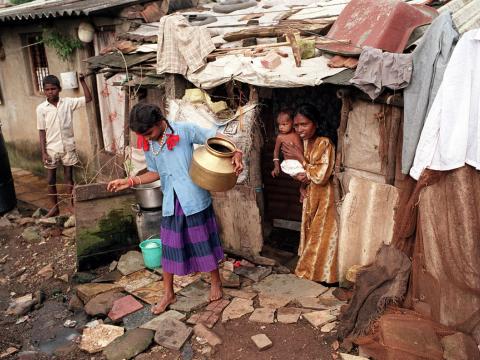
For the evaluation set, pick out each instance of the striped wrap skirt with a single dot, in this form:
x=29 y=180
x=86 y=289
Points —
x=190 y=243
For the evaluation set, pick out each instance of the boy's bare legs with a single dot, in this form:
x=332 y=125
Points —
x=168 y=297
x=216 y=286
x=68 y=178
x=52 y=192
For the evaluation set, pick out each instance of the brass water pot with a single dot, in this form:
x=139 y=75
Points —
x=212 y=167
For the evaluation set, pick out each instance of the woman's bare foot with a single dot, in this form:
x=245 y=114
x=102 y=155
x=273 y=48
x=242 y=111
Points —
x=216 y=292
x=55 y=211
x=161 y=306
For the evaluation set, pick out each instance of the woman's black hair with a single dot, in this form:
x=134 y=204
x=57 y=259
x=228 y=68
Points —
x=325 y=127
x=145 y=116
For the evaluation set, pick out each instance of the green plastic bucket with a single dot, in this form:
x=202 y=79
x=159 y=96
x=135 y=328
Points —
x=152 y=253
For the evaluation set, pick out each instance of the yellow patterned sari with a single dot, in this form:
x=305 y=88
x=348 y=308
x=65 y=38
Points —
x=319 y=233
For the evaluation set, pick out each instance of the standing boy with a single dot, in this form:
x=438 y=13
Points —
x=55 y=125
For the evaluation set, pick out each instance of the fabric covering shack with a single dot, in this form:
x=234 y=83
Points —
x=446 y=274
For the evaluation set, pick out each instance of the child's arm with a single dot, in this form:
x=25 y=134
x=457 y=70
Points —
x=276 y=154
x=86 y=90
x=43 y=146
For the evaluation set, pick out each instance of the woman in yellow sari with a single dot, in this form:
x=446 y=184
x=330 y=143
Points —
x=319 y=233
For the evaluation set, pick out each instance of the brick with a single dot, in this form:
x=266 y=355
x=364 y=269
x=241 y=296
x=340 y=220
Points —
x=262 y=342
x=212 y=338
x=124 y=306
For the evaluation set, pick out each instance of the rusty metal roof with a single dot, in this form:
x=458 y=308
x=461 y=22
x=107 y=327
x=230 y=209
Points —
x=42 y=9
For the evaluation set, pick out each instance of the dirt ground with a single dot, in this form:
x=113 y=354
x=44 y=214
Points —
x=41 y=335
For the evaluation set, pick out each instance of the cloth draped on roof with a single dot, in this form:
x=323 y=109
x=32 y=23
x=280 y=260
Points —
x=377 y=69
x=451 y=134
x=181 y=48
x=430 y=59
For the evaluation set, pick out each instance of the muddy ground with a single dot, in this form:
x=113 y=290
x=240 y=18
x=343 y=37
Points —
x=40 y=333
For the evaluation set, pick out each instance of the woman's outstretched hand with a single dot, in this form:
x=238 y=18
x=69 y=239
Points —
x=118 y=185
x=237 y=161
x=292 y=151
x=302 y=177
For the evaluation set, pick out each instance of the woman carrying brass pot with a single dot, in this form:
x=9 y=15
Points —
x=189 y=233
x=319 y=232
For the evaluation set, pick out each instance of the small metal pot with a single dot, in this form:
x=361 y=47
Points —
x=149 y=196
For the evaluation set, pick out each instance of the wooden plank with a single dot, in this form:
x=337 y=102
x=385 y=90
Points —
x=97 y=191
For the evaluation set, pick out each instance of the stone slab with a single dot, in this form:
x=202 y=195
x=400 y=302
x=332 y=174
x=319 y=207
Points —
x=253 y=273
x=211 y=337
x=237 y=308
x=102 y=303
x=329 y=327
x=274 y=302
x=311 y=303
x=172 y=334
x=138 y=318
x=151 y=293
x=319 y=318
x=289 y=286
x=129 y=344
x=197 y=289
x=262 y=342
x=137 y=280
x=188 y=304
x=288 y=315
x=109 y=277
x=156 y=321
x=130 y=262
x=181 y=281
x=460 y=346
x=87 y=291
x=344 y=356
x=249 y=295
x=263 y=315
x=124 y=306
x=206 y=317
x=96 y=338
x=218 y=306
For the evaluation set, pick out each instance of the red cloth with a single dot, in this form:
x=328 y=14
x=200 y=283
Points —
x=142 y=143
x=172 y=140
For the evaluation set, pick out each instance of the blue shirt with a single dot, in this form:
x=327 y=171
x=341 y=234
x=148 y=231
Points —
x=173 y=166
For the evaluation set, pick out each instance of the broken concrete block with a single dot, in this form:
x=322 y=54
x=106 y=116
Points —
x=263 y=315
x=311 y=303
x=87 y=291
x=172 y=334
x=288 y=315
x=249 y=295
x=102 y=303
x=137 y=280
x=129 y=345
x=218 y=306
x=96 y=338
x=262 y=342
x=237 y=308
x=271 y=61
x=207 y=317
x=253 y=273
x=212 y=339
x=289 y=286
x=351 y=357
x=328 y=327
x=274 y=302
x=460 y=346
x=130 y=262
x=124 y=306
x=154 y=323
x=188 y=304
x=319 y=318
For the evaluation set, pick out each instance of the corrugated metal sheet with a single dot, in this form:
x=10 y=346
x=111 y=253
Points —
x=41 y=9
x=465 y=14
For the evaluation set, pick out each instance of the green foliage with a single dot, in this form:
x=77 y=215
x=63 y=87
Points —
x=64 y=45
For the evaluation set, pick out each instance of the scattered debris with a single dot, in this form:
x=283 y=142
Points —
x=10 y=351
x=237 y=308
x=96 y=338
x=70 y=323
x=22 y=305
x=32 y=234
x=64 y=278
x=75 y=304
x=46 y=272
x=18 y=272
x=5 y=223
x=113 y=266
x=353 y=357
x=70 y=222
x=39 y=213
x=262 y=341
x=51 y=221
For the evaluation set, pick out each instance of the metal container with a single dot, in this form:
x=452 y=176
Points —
x=148 y=222
x=149 y=196
x=211 y=166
